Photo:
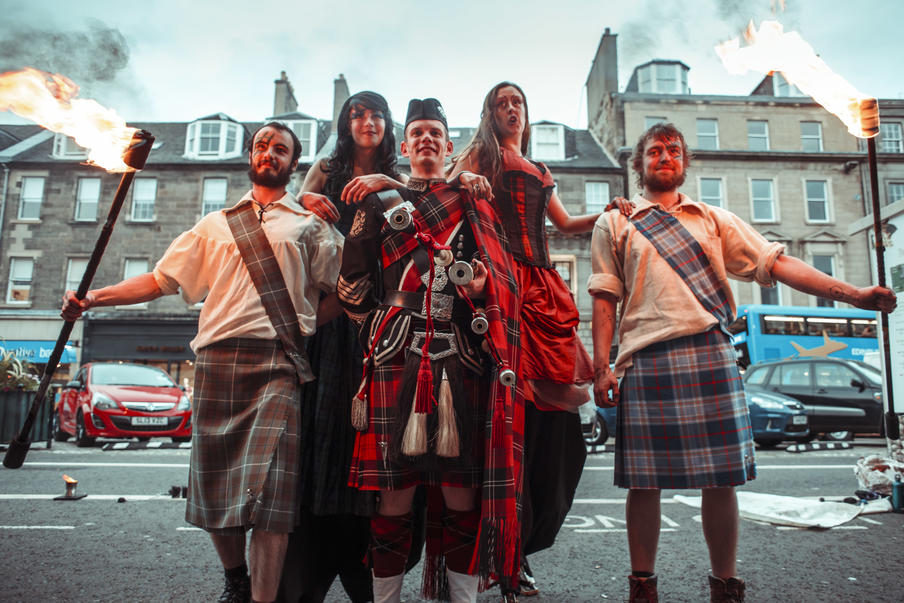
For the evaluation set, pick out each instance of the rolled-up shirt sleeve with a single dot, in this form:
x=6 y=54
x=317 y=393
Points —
x=604 y=270
x=178 y=269
x=325 y=255
x=749 y=256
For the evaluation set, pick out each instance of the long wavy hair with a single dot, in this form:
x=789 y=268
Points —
x=340 y=166
x=485 y=142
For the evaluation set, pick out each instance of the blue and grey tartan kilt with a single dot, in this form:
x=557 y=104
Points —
x=683 y=419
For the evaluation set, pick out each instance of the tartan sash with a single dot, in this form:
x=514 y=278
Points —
x=254 y=247
x=683 y=252
x=437 y=212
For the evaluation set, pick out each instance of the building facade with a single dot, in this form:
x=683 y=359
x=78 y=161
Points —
x=775 y=158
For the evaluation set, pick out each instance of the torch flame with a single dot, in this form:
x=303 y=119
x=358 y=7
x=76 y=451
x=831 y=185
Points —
x=772 y=49
x=50 y=100
x=69 y=480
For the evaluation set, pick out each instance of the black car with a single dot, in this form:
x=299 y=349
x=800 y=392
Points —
x=842 y=396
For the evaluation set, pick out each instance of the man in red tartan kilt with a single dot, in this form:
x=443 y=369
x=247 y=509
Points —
x=434 y=407
x=244 y=461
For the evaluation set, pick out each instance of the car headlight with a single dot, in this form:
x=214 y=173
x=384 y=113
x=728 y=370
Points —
x=103 y=402
x=767 y=403
x=184 y=403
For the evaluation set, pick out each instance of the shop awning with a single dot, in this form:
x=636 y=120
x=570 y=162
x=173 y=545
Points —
x=37 y=352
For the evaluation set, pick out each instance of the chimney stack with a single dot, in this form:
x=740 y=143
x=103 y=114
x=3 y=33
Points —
x=284 y=96
x=603 y=77
x=340 y=95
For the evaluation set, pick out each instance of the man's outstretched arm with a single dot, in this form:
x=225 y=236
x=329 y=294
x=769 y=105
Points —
x=135 y=290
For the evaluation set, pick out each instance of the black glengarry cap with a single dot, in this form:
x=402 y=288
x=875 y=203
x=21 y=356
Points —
x=428 y=108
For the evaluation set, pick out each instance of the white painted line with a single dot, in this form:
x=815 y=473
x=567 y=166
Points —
x=128 y=497
x=37 y=527
x=156 y=444
x=598 y=468
x=191 y=529
x=834 y=528
x=872 y=521
x=598 y=530
x=89 y=464
x=669 y=522
x=120 y=445
x=608 y=501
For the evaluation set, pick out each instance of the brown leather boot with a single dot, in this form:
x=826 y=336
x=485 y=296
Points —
x=727 y=590
x=643 y=590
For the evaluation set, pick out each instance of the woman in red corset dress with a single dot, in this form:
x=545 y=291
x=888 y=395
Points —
x=555 y=368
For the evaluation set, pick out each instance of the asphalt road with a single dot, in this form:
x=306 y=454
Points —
x=127 y=539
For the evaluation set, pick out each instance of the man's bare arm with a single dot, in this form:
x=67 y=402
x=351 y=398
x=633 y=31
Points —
x=135 y=290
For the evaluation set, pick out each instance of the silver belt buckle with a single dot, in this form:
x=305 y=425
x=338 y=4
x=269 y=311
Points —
x=417 y=342
x=440 y=305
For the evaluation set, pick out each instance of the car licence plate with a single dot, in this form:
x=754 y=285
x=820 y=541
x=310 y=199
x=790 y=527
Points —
x=149 y=421
x=799 y=419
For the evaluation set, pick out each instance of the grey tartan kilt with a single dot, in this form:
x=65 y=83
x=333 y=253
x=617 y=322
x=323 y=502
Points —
x=683 y=421
x=244 y=459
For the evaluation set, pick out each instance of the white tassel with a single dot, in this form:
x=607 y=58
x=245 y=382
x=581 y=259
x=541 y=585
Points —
x=359 y=408
x=447 y=440
x=414 y=440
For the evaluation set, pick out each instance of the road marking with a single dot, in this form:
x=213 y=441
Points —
x=832 y=528
x=868 y=520
x=91 y=464
x=598 y=530
x=128 y=497
x=189 y=529
x=37 y=527
x=808 y=467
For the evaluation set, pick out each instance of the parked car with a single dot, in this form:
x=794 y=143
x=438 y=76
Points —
x=842 y=396
x=774 y=418
x=117 y=400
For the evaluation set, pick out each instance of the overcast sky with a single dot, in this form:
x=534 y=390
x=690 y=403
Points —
x=172 y=60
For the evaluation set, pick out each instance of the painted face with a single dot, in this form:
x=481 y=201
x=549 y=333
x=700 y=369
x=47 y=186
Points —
x=367 y=126
x=663 y=164
x=508 y=111
x=271 y=158
x=426 y=143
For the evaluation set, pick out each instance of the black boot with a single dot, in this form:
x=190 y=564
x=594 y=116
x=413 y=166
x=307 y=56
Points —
x=237 y=589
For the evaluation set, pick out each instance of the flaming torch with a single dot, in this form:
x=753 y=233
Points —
x=770 y=49
x=50 y=100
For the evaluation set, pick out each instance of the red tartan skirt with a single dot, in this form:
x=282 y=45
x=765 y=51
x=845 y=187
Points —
x=551 y=351
x=376 y=465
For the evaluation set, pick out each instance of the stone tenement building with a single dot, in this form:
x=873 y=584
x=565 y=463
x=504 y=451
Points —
x=775 y=158
x=52 y=207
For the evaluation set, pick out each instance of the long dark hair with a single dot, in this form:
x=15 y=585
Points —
x=340 y=165
x=485 y=142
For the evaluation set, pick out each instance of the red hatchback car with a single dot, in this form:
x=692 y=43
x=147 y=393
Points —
x=114 y=400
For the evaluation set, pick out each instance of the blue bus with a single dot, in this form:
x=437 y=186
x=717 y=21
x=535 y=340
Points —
x=766 y=332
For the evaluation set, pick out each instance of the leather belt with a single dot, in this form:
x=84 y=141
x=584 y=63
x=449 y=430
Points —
x=444 y=306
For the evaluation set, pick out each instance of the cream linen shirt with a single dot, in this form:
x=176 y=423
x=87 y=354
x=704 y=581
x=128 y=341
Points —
x=205 y=264
x=656 y=304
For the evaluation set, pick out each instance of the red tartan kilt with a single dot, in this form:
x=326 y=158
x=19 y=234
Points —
x=369 y=469
x=550 y=347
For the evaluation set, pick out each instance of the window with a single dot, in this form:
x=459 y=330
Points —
x=566 y=266
x=817 y=197
x=781 y=87
x=762 y=197
x=547 y=142
x=144 y=194
x=756 y=376
x=87 y=199
x=792 y=374
x=708 y=134
x=306 y=130
x=20 y=273
x=651 y=120
x=596 y=196
x=74 y=272
x=214 y=197
x=711 y=191
x=213 y=139
x=65 y=148
x=662 y=78
x=770 y=295
x=829 y=374
x=895 y=192
x=811 y=136
x=757 y=135
x=30 y=198
x=890 y=137
x=824 y=263
x=134 y=267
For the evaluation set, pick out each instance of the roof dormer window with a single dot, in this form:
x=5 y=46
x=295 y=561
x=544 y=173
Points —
x=65 y=147
x=781 y=87
x=306 y=131
x=662 y=78
x=547 y=142
x=213 y=139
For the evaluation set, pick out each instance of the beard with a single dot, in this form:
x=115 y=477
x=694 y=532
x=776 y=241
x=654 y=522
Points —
x=270 y=179
x=662 y=183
